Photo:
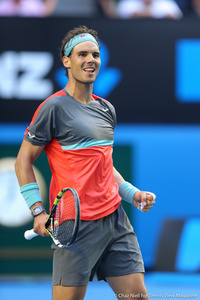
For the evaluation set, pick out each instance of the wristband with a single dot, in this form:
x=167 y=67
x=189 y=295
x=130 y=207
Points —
x=31 y=193
x=127 y=191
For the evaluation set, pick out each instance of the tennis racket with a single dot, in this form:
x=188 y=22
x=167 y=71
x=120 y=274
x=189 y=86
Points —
x=63 y=222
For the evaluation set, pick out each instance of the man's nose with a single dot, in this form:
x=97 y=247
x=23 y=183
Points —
x=90 y=58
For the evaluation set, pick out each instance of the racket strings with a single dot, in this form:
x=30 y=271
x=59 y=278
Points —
x=64 y=232
x=65 y=218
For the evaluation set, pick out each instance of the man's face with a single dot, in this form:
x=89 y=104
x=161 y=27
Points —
x=196 y=4
x=85 y=62
x=148 y=2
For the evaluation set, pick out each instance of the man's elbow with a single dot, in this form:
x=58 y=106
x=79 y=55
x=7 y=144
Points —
x=17 y=166
x=22 y=163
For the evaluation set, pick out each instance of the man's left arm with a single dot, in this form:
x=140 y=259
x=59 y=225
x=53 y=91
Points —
x=142 y=200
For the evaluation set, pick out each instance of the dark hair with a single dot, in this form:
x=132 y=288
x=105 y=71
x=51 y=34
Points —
x=71 y=34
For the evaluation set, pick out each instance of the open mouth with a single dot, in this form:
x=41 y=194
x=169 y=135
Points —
x=89 y=69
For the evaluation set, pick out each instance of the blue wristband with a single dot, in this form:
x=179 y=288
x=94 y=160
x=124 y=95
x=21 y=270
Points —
x=127 y=191
x=31 y=193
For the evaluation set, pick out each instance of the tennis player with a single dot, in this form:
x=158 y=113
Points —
x=76 y=130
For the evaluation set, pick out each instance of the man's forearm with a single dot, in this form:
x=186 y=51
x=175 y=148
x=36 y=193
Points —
x=117 y=176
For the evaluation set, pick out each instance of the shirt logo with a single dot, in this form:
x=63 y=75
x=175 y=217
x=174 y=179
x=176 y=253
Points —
x=30 y=135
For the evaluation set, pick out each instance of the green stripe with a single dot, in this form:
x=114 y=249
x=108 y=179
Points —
x=88 y=144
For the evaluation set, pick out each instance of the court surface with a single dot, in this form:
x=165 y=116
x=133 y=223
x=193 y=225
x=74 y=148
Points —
x=159 y=286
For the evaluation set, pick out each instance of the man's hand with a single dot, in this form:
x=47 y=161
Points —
x=147 y=199
x=39 y=224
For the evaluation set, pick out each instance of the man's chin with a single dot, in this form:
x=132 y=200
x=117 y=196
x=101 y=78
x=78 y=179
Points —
x=89 y=81
x=91 y=78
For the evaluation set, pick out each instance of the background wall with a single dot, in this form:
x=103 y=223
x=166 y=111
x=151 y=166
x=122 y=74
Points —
x=150 y=73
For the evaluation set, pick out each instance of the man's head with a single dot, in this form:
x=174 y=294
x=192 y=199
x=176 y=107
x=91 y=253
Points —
x=196 y=5
x=76 y=36
x=148 y=2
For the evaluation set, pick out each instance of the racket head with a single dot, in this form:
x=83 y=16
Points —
x=63 y=222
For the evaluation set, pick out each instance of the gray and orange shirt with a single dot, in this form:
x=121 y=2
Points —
x=78 y=141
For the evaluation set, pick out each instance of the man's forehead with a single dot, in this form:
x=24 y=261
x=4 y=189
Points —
x=86 y=46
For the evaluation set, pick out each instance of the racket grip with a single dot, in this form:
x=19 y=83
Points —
x=29 y=234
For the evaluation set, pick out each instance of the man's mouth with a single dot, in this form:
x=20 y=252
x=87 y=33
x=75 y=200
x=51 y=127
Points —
x=89 y=69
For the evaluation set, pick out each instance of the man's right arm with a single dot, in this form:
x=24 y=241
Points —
x=25 y=175
x=24 y=163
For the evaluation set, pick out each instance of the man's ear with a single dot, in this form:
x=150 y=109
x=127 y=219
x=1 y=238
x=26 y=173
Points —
x=66 y=62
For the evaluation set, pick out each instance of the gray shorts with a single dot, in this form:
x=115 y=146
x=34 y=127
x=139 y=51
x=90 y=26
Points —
x=107 y=247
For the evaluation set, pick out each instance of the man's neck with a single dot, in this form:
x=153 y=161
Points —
x=80 y=92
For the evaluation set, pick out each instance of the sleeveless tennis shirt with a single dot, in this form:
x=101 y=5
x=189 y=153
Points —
x=78 y=141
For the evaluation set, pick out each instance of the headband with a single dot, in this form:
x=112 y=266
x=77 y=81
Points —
x=79 y=38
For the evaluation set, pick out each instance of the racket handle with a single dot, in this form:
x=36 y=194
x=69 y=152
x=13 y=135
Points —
x=29 y=234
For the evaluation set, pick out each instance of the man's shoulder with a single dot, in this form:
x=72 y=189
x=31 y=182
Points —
x=55 y=99
x=95 y=97
x=103 y=101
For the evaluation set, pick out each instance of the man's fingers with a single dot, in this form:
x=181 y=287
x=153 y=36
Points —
x=147 y=201
x=144 y=200
x=39 y=224
x=151 y=194
x=41 y=230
